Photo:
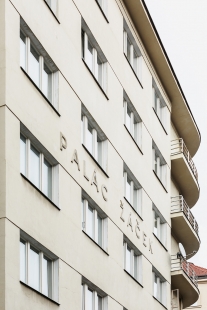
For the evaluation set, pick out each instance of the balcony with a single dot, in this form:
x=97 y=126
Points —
x=183 y=278
x=184 y=171
x=184 y=225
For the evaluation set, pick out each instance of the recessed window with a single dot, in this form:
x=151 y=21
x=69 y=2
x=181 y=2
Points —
x=132 y=51
x=92 y=299
x=36 y=167
x=159 y=287
x=159 y=226
x=132 y=121
x=38 y=269
x=53 y=5
x=93 y=56
x=160 y=107
x=133 y=261
x=93 y=138
x=159 y=165
x=38 y=65
x=133 y=191
x=94 y=222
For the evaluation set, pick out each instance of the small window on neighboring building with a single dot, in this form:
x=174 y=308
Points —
x=93 y=138
x=159 y=165
x=132 y=261
x=159 y=287
x=38 y=268
x=159 y=226
x=93 y=299
x=160 y=107
x=35 y=61
x=132 y=191
x=38 y=169
x=132 y=121
x=94 y=222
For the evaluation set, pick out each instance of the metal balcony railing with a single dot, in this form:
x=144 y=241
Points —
x=178 y=146
x=178 y=262
x=178 y=204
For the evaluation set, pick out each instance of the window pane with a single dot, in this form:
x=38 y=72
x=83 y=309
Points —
x=155 y=225
x=34 y=269
x=34 y=66
x=128 y=120
x=90 y=222
x=155 y=286
x=82 y=214
x=47 y=83
x=99 y=230
x=128 y=259
x=128 y=48
x=47 y=179
x=22 y=51
x=89 y=139
x=82 y=40
x=100 y=70
x=99 y=303
x=128 y=190
x=22 y=261
x=90 y=56
x=135 y=266
x=135 y=199
x=22 y=155
x=34 y=166
x=89 y=305
x=135 y=61
x=47 y=277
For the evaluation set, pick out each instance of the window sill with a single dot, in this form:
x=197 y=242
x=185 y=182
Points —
x=95 y=243
x=160 y=181
x=133 y=139
x=160 y=121
x=28 y=286
x=95 y=161
x=52 y=12
x=133 y=208
x=40 y=92
x=95 y=79
x=160 y=242
x=40 y=191
x=159 y=302
x=133 y=278
x=104 y=15
x=133 y=71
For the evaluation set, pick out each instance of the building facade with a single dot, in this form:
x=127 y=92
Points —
x=96 y=199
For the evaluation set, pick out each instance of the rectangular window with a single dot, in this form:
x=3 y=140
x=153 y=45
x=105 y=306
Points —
x=133 y=262
x=53 y=5
x=133 y=122
x=95 y=141
x=94 y=57
x=160 y=107
x=159 y=287
x=38 y=270
x=132 y=51
x=159 y=165
x=94 y=223
x=35 y=167
x=103 y=5
x=159 y=226
x=38 y=68
x=93 y=300
x=133 y=192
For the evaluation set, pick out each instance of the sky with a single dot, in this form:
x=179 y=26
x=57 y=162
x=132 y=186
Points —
x=182 y=27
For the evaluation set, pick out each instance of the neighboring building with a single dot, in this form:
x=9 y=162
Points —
x=201 y=274
x=96 y=146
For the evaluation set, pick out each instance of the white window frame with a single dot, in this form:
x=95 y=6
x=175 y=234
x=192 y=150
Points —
x=161 y=293
x=134 y=192
x=55 y=171
x=99 y=149
x=138 y=261
x=85 y=223
x=55 y=270
x=95 y=56
x=159 y=166
x=133 y=51
x=104 y=5
x=135 y=124
x=160 y=108
x=161 y=233
x=95 y=295
x=53 y=4
x=54 y=75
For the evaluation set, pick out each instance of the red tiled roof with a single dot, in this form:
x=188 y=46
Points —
x=199 y=271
